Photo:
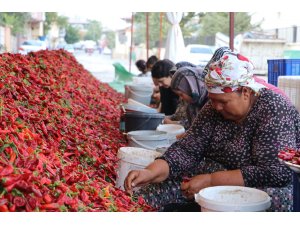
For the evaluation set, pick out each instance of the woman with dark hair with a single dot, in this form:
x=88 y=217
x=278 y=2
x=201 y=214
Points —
x=151 y=61
x=161 y=77
x=141 y=65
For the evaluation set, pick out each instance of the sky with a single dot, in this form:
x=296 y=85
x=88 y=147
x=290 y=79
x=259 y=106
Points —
x=271 y=20
x=109 y=12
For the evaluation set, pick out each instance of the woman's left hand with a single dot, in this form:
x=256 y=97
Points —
x=195 y=184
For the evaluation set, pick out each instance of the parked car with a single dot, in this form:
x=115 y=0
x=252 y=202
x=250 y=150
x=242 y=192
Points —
x=89 y=46
x=32 y=46
x=78 y=45
x=106 y=51
x=198 y=54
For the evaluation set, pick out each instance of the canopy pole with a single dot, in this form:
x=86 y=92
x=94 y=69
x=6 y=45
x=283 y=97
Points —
x=147 y=34
x=231 y=30
x=160 y=33
x=131 y=41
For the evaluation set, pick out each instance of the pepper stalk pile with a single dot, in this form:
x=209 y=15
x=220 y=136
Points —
x=58 y=137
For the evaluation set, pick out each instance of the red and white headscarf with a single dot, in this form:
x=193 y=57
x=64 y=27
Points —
x=231 y=72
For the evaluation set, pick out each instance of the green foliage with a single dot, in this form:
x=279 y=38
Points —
x=193 y=25
x=111 y=38
x=94 y=31
x=54 y=18
x=139 y=34
x=72 y=35
x=190 y=23
x=62 y=21
x=214 y=22
x=16 y=20
x=51 y=17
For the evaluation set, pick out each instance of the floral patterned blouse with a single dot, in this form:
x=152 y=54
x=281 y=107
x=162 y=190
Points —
x=252 y=146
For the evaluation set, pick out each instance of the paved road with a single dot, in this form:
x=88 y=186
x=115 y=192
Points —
x=101 y=65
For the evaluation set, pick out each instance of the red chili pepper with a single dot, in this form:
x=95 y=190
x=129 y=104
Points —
x=3 y=201
x=6 y=181
x=186 y=179
x=13 y=157
x=47 y=198
x=12 y=208
x=5 y=131
x=51 y=206
x=36 y=191
x=45 y=180
x=19 y=201
x=84 y=196
x=7 y=170
x=44 y=128
x=32 y=202
x=4 y=208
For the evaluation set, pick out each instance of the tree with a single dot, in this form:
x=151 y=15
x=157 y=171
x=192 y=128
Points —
x=111 y=38
x=139 y=34
x=190 y=23
x=214 y=22
x=16 y=20
x=94 y=31
x=52 y=18
x=72 y=35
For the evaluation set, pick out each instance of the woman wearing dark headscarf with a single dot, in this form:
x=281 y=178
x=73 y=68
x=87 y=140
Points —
x=180 y=115
x=189 y=86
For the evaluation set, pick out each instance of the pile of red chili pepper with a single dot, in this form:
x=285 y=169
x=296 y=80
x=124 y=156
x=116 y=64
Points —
x=59 y=137
x=290 y=155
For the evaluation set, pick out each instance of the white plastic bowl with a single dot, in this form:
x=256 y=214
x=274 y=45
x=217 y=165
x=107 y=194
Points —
x=232 y=199
x=172 y=130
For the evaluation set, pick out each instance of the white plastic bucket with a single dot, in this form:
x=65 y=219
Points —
x=232 y=199
x=148 y=139
x=139 y=93
x=143 y=81
x=172 y=131
x=133 y=105
x=132 y=158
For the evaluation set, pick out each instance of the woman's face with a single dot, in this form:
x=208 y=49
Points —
x=162 y=82
x=232 y=106
x=185 y=97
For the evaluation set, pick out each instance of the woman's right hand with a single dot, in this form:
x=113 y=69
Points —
x=136 y=178
x=155 y=172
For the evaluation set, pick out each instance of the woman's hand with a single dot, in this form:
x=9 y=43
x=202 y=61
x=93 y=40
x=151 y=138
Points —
x=155 y=172
x=167 y=120
x=136 y=178
x=179 y=136
x=195 y=184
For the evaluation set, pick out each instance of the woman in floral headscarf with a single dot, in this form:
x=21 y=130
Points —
x=242 y=128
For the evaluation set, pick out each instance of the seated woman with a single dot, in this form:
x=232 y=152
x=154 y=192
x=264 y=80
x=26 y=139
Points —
x=161 y=77
x=223 y=51
x=188 y=85
x=234 y=140
x=141 y=65
x=185 y=111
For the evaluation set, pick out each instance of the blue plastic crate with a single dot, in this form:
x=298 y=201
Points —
x=282 y=67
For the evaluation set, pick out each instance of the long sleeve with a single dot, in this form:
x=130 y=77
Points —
x=276 y=130
x=188 y=152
